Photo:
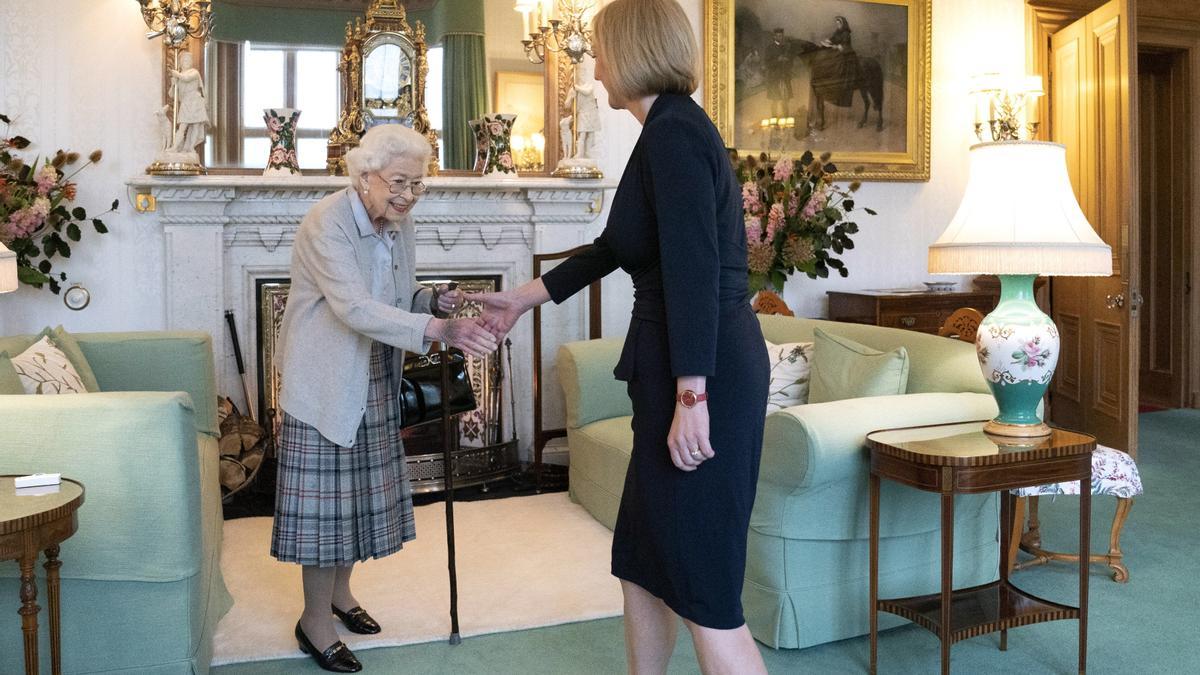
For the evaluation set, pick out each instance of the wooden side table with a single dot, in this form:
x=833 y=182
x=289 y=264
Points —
x=30 y=524
x=924 y=312
x=953 y=459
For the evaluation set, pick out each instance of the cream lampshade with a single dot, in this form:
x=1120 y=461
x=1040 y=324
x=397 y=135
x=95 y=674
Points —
x=8 y=270
x=1019 y=219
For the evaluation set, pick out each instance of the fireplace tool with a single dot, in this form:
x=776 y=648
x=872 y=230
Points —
x=241 y=365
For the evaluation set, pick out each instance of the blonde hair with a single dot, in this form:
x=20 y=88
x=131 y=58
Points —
x=648 y=48
x=384 y=144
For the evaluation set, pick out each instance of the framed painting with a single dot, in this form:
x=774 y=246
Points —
x=849 y=77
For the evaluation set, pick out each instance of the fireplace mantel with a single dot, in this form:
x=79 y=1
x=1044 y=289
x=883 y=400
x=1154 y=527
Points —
x=224 y=233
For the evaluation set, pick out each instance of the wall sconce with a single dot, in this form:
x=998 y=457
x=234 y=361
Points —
x=177 y=20
x=1008 y=108
x=569 y=35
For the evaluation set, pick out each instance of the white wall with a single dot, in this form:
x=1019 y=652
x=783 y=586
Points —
x=84 y=76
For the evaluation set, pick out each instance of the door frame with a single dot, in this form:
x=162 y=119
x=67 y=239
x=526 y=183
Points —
x=1184 y=35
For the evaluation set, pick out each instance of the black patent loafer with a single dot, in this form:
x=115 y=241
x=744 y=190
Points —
x=357 y=620
x=336 y=659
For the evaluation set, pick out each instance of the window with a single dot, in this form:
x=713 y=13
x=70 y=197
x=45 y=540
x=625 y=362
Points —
x=304 y=78
x=433 y=96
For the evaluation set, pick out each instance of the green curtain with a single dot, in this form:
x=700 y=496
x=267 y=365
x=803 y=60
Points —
x=464 y=95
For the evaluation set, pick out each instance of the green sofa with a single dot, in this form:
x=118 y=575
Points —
x=806 y=571
x=142 y=589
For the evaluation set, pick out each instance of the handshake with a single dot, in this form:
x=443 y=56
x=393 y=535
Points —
x=476 y=335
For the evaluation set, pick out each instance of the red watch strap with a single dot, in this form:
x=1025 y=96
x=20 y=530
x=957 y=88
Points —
x=689 y=398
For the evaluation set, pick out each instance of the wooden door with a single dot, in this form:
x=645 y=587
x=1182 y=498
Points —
x=1092 y=94
x=1165 y=171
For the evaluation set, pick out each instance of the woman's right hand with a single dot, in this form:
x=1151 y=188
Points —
x=500 y=311
x=466 y=334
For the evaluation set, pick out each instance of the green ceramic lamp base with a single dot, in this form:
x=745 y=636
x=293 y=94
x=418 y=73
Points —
x=1018 y=350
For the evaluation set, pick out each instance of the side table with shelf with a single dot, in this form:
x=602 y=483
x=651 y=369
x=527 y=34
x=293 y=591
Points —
x=29 y=525
x=953 y=459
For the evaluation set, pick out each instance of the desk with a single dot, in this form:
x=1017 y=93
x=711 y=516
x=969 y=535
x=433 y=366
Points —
x=955 y=459
x=30 y=524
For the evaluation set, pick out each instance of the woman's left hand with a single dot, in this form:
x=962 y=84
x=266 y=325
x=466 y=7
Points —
x=688 y=439
x=449 y=301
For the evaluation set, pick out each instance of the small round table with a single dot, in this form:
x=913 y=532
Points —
x=953 y=459
x=34 y=520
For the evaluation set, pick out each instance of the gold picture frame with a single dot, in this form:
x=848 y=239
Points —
x=738 y=82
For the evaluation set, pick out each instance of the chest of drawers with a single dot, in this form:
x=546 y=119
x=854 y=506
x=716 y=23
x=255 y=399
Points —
x=919 y=311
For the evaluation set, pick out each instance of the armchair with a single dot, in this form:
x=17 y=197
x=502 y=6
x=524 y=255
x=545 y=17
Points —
x=142 y=589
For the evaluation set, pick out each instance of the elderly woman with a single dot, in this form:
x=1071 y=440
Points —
x=694 y=359
x=353 y=310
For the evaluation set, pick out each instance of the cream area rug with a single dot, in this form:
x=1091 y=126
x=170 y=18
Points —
x=523 y=562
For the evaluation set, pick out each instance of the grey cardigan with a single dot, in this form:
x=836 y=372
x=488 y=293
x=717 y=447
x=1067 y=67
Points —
x=330 y=321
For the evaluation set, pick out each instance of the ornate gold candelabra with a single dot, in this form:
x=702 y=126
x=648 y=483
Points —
x=1008 y=110
x=175 y=21
x=568 y=35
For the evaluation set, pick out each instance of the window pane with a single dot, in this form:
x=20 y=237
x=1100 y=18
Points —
x=317 y=88
x=311 y=152
x=254 y=152
x=433 y=97
x=262 y=87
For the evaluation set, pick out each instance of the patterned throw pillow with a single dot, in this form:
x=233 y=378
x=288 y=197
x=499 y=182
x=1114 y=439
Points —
x=790 y=366
x=45 y=369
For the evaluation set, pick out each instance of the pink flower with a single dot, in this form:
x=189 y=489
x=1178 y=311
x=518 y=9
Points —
x=754 y=231
x=751 y=202
x=274 y=123
x=47 y=178
x=496 y=128
x=506 y=160
x=816 y=202
x=793 y=204
x=278 y=156
x=26 y=221
x=774 y=221
x=783 y=169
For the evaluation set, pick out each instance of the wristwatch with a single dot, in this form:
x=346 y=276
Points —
x=688 y=398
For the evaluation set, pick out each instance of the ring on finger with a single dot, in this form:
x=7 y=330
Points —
x=696 y=454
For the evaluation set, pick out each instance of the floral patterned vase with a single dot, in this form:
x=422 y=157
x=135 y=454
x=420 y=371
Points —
x=1018 y=350
x=480 y=132
x=281 y=128
x=500 y=160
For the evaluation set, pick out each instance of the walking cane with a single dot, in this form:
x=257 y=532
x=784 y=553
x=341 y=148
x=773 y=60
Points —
x=449 y=441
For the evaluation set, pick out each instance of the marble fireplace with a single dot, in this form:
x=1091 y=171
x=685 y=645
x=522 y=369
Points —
x=226 y=235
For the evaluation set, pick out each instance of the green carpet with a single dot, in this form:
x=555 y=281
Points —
x=1139 y=627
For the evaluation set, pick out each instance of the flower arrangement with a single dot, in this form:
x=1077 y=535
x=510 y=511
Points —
x=796 y=217
x=35 y=221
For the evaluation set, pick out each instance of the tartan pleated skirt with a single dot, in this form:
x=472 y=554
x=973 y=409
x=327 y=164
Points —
x=334 y=505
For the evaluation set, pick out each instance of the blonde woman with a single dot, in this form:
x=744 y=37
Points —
x=694 y=358
x=354 y=308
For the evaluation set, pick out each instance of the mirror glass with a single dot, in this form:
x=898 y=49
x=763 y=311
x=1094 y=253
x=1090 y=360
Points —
x=388 y=81
x=272 y=54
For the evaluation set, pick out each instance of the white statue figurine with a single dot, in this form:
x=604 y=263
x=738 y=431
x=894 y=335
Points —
x=166 y=130
x=191 y=118
x=579 y=156
x=587 y=110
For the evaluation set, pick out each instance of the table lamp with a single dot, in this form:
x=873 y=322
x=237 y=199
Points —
x=8 y=270
x=1019 y=219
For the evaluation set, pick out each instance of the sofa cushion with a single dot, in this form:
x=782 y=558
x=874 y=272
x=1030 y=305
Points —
x=790 y=366
x=592 y=393
x=70 y=346
x=600 y=451
x=843 y=368
x=45 y=369
x=10 y=382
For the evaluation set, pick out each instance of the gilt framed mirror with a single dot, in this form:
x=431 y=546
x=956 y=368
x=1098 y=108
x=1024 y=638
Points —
x=286 y=54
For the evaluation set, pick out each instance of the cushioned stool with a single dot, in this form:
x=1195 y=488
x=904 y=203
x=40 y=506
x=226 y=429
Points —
x=1114 y=473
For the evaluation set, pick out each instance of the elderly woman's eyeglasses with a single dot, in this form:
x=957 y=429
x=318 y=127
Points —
x=401 y=186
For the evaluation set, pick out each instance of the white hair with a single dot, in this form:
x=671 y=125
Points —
x=384 y=144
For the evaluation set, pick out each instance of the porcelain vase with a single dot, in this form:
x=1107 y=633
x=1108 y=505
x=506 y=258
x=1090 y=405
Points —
x=1018 y=347
x=480 y=133
x=500 y=159
x=281 y=129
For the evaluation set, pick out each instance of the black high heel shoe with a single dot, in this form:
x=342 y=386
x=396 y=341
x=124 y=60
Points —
x=357 y=620
x=337 y=658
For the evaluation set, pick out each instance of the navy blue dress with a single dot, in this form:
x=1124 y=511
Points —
x=676 y=227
